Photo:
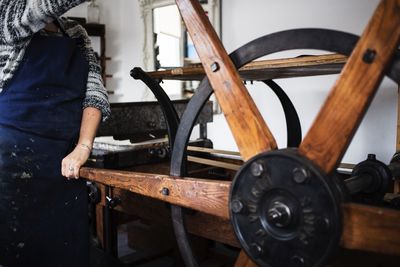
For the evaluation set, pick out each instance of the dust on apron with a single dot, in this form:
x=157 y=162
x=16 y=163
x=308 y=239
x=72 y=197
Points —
x=43 y=216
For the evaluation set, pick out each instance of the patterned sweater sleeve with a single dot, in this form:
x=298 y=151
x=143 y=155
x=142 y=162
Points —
x=19 y=19
x=96 y=94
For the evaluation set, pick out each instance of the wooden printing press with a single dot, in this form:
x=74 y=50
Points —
x=270 y=207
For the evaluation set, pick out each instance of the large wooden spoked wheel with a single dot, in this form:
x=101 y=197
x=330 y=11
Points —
x=334 y=126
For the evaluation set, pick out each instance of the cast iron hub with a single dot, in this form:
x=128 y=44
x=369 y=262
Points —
x=285 y=212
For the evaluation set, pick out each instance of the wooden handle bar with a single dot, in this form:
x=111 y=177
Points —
x=340 y=116
x=199 y=194
x=248 y=127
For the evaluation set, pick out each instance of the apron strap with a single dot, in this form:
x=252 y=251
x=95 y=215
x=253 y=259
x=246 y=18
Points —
x=57 y=23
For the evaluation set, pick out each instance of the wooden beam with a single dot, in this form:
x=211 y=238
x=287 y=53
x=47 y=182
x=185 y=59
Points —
x=371 y=229
x=379 y=234
x=215 y=163
x=197 y=223
x=232 y=166
x=261 y=70
x=213 y=151
x=208 y=196
x=340 y=116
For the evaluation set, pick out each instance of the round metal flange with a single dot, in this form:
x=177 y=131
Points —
x=380 y=184
x=285 y=212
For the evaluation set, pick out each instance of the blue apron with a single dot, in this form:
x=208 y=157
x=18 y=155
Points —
x=43 y=216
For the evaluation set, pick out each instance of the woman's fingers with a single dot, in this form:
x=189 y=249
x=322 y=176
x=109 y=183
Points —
x=71 y=169
x=72 y=163
x=76 y=171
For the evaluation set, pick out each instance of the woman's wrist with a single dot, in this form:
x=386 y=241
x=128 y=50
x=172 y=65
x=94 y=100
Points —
x=85 y=146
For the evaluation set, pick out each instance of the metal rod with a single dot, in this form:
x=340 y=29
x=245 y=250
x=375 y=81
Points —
x=394 y=168
x=203 y=130
x=109 y=233
x=357 y=184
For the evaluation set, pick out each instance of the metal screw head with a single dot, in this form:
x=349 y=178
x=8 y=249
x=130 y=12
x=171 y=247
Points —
x=255 y=250
x=298 y=260
x=214 y=67
x=274 y=215
x=236 y=206
x=279 y=215
x=300 y=175
x=113 y=201
x=165 y=191
x=322 y=224
x=256 y=169
x=369 y=56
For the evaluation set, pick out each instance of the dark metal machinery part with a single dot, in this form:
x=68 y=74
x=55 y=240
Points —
x=318 y=39
x=292 y=118
x=281 y=205
x=110 y=233
x=370 y=181
x=284 y=211
x=171 y=117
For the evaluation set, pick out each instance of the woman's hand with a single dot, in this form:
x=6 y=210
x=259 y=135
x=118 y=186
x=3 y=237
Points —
x=71 y=164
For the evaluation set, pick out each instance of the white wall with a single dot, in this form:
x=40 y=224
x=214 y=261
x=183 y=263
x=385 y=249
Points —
x=124 y=39
x=243 y=21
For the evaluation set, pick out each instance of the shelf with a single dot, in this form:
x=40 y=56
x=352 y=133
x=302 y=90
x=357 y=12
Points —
x=265 y=69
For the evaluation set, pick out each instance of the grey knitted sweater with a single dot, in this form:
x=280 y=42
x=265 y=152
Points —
x=21 y=19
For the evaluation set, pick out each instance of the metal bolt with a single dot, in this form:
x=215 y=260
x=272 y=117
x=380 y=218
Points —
x=371 y=157
x=274 y=215
x=165 y=191
x=236 y=206
x=298 y=260
x=255 y=250
x=256 y=169
x=369 y=56
x=300 y=175
x=322 y=225
x=214 y=67
x=261 y=232
x=279 y=215
x=151 y=124
x=113 y=201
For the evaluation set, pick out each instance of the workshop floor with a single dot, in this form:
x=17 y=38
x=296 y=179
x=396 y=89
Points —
x=136 y=258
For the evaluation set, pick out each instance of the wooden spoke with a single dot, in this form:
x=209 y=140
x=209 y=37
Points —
x=350 y=97
x=248 y=127
x=243 y=260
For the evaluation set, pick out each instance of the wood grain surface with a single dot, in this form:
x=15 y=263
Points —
x=261 y=70
x=371 y=229
x=248 y=127
x=197 y=223
x=365 y=227
x=208 y=196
